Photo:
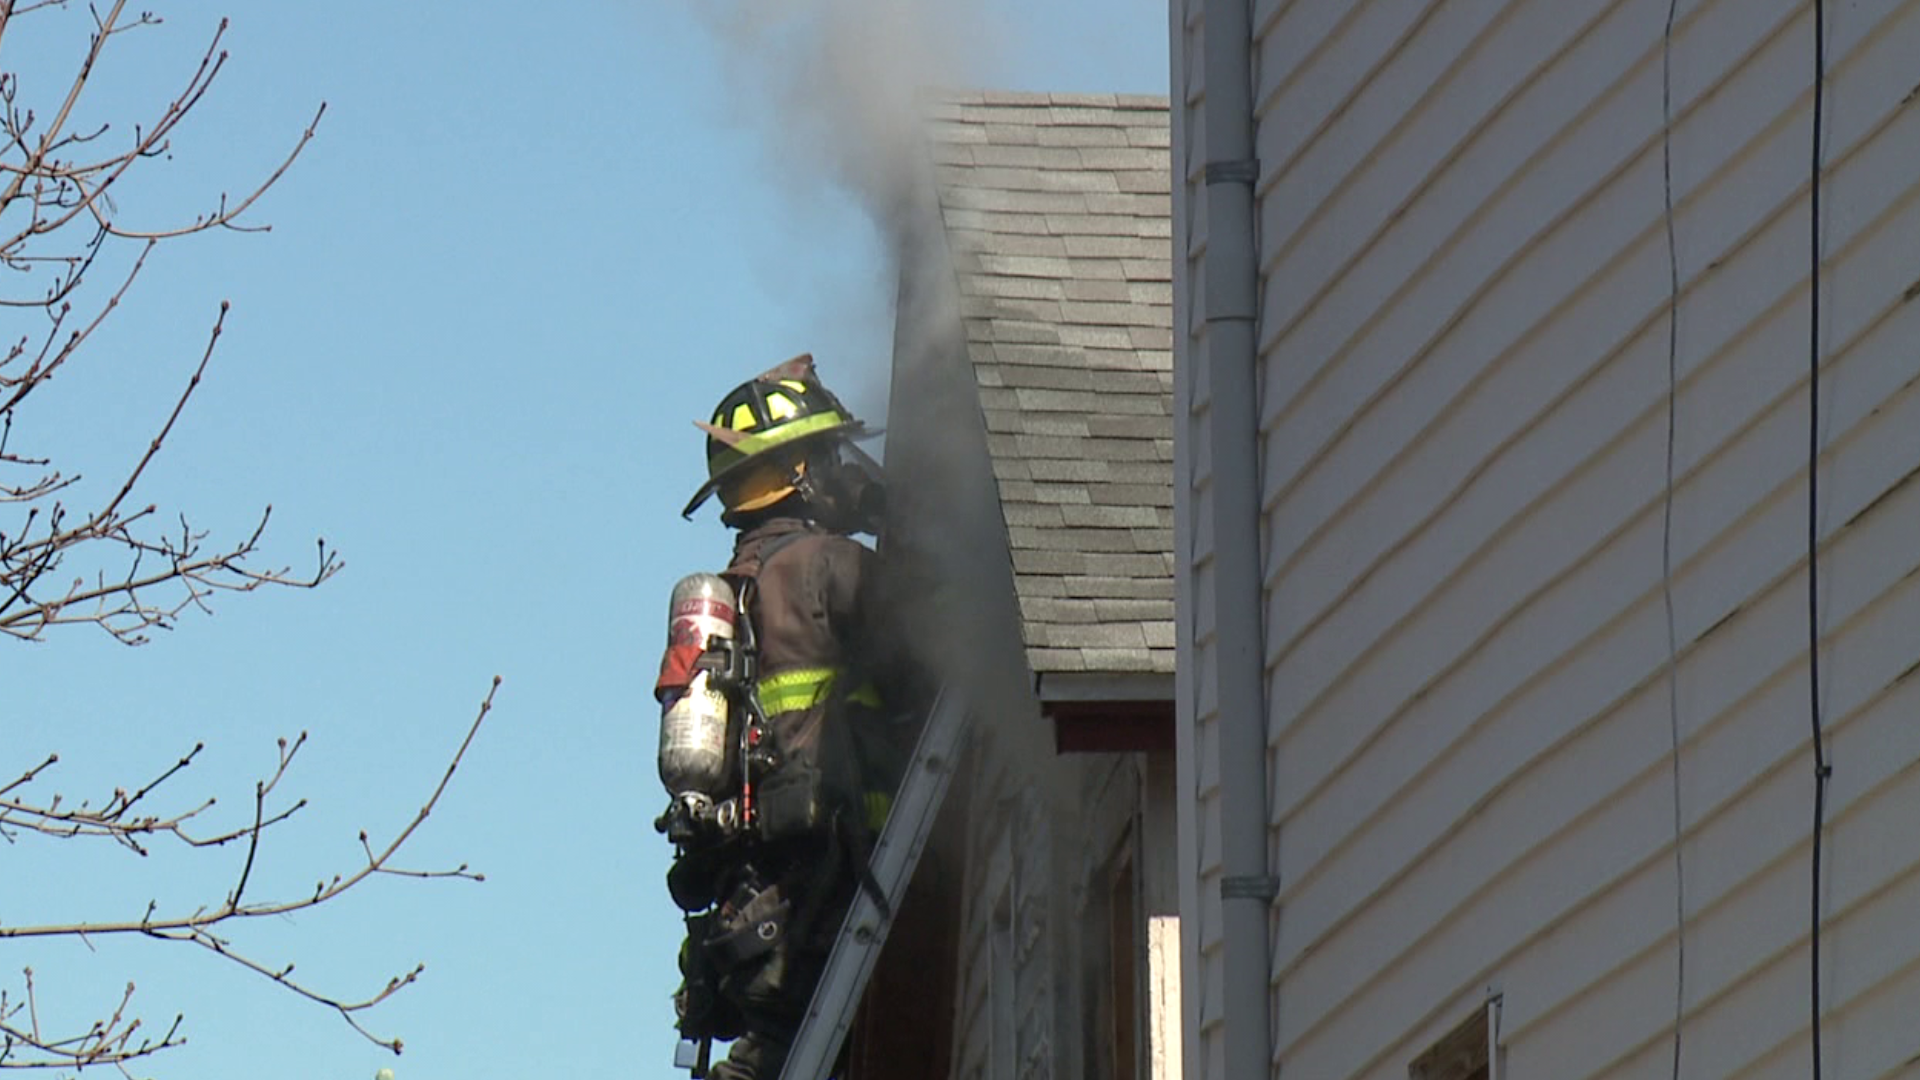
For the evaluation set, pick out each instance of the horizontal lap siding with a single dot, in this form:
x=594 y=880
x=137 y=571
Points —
x=1196 y=665
x=1464 y=365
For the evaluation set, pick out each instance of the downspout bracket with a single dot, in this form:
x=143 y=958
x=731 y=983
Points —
x=1243 y=171
x=1249 y=887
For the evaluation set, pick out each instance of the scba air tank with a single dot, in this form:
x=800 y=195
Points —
x=693 y=721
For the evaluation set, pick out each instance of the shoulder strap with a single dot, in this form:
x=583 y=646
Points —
x=744 y=576
x=752 y=567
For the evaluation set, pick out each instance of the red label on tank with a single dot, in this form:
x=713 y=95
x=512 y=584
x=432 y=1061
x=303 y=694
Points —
x=676 y=667
x=687 y=635
x=700 y=605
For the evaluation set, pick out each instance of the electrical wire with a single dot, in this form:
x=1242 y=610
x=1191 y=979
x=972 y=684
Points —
x=1822 y=769
x=1666 y=530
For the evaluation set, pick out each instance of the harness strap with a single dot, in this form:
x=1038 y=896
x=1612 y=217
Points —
x=861 y=845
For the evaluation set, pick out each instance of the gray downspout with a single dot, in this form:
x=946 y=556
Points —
x=1247 y=885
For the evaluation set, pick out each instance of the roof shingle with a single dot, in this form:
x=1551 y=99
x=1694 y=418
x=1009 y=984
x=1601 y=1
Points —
x=1058 y=211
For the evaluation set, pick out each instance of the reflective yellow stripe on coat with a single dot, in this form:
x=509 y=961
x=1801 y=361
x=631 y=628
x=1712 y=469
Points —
x=803 y=688
x=878 y=804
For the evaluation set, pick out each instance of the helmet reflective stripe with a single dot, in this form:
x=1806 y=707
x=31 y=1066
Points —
x=729 y=456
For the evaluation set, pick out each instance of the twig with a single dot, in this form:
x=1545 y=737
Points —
x=109 y=1041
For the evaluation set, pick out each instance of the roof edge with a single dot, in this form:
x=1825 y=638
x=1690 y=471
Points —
x=1065 y=686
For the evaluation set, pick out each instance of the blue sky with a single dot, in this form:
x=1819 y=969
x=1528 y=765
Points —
x=522 y=254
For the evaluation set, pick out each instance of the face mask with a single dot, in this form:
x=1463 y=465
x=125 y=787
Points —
x=845 y=490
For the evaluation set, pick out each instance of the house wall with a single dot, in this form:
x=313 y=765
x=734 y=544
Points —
x=1160 y=966
x=1196 y=667
x=1004 y=1025
x=1041 y=849
x=1464 y=368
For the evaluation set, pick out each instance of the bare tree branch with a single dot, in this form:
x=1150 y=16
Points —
x=61 y=564
x=70 y=555
x=107 y=1041
x=112 y=1040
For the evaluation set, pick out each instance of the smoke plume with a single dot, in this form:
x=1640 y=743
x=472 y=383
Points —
x=839 y=90
x=837 y=87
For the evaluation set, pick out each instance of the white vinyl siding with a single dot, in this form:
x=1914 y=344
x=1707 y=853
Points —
x=1197 y=697
x=1464 y=367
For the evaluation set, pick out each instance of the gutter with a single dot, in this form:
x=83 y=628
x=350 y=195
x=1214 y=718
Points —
x=1230 y=305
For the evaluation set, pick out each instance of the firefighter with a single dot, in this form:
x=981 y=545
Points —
x=768 y=862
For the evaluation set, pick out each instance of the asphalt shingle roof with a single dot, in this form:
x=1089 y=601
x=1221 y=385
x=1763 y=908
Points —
x=1058 y=213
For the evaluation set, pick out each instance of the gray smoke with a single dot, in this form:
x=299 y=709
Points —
x=838 y=90
x=837 y=86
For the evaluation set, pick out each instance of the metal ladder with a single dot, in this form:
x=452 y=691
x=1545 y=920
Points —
x=895 y=855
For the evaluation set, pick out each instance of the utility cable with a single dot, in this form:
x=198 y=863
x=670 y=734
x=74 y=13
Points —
x=1666 y=532
x=1822 y=769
